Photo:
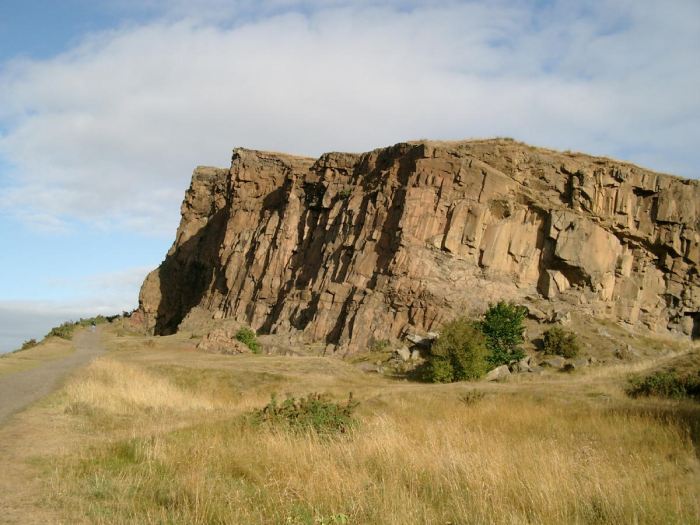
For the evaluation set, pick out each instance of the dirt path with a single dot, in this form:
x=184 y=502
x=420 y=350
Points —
x=26 y=434
x=20 y=389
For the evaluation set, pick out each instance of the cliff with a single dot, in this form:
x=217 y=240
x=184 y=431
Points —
x=350 y=248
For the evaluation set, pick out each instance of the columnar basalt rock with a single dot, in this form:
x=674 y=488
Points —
x=351 y=248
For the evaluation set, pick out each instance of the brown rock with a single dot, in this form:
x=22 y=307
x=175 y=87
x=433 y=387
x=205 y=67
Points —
x=523 y=365
x=347 y=249
x=498 y=374
x=556 y=361
x=404 y=353
x=222 y=341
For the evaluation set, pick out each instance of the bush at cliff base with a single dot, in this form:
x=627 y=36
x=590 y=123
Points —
x=459 y=354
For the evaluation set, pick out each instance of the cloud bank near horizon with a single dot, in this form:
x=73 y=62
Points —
x=105 y=293
x=108 y=132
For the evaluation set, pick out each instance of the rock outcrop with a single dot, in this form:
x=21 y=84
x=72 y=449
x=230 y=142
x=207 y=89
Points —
x=222 y=341
x=351 y=248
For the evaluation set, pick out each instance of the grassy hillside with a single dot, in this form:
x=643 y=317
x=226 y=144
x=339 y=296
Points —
x=156 y=432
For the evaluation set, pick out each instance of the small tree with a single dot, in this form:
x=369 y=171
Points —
x=458 y=354
x=503 y=327
x=561 y=342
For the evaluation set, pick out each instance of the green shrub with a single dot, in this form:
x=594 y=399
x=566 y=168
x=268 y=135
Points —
x=248 y=338
x=29 y=343
x=558 y=341
x=503 y=327
x=314 y=412
x=64 y=330
x=665 y=384
x=439 y=370
x=345 y=193
x=459 y=353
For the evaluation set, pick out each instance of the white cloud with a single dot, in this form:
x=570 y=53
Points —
x=109 y=132
x=99 y=294
x=114 y=289
x=22 y=320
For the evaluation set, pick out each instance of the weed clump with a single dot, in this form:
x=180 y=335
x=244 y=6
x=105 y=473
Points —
x=558 y=341
x=459 y=354
x=247 y=337
x=471 y=397
x=668 y=383
x=313 y=412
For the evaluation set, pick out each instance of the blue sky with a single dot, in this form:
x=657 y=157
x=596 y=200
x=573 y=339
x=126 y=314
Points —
x=108 y=106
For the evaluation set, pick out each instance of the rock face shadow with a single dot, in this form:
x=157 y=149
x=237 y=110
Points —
x=186 y=275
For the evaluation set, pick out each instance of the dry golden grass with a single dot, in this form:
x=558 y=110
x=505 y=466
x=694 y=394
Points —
x=419 y=455
x=111 y=387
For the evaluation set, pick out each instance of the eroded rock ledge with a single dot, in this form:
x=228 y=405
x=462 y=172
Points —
x=350 y=248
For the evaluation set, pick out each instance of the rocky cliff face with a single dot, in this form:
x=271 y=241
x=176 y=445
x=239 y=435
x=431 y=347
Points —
x=351 y=248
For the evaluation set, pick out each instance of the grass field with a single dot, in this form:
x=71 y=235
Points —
x=158 y=433
x=174 y=445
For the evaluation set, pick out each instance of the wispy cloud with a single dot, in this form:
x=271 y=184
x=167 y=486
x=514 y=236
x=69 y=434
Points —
x=114 y=289
x=99 y=294
x=108 y=132
x=24 y=320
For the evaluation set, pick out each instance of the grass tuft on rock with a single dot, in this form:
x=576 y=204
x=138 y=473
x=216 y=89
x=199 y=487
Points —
x=247 y=337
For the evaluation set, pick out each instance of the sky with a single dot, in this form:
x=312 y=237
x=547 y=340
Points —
x=107 y=106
